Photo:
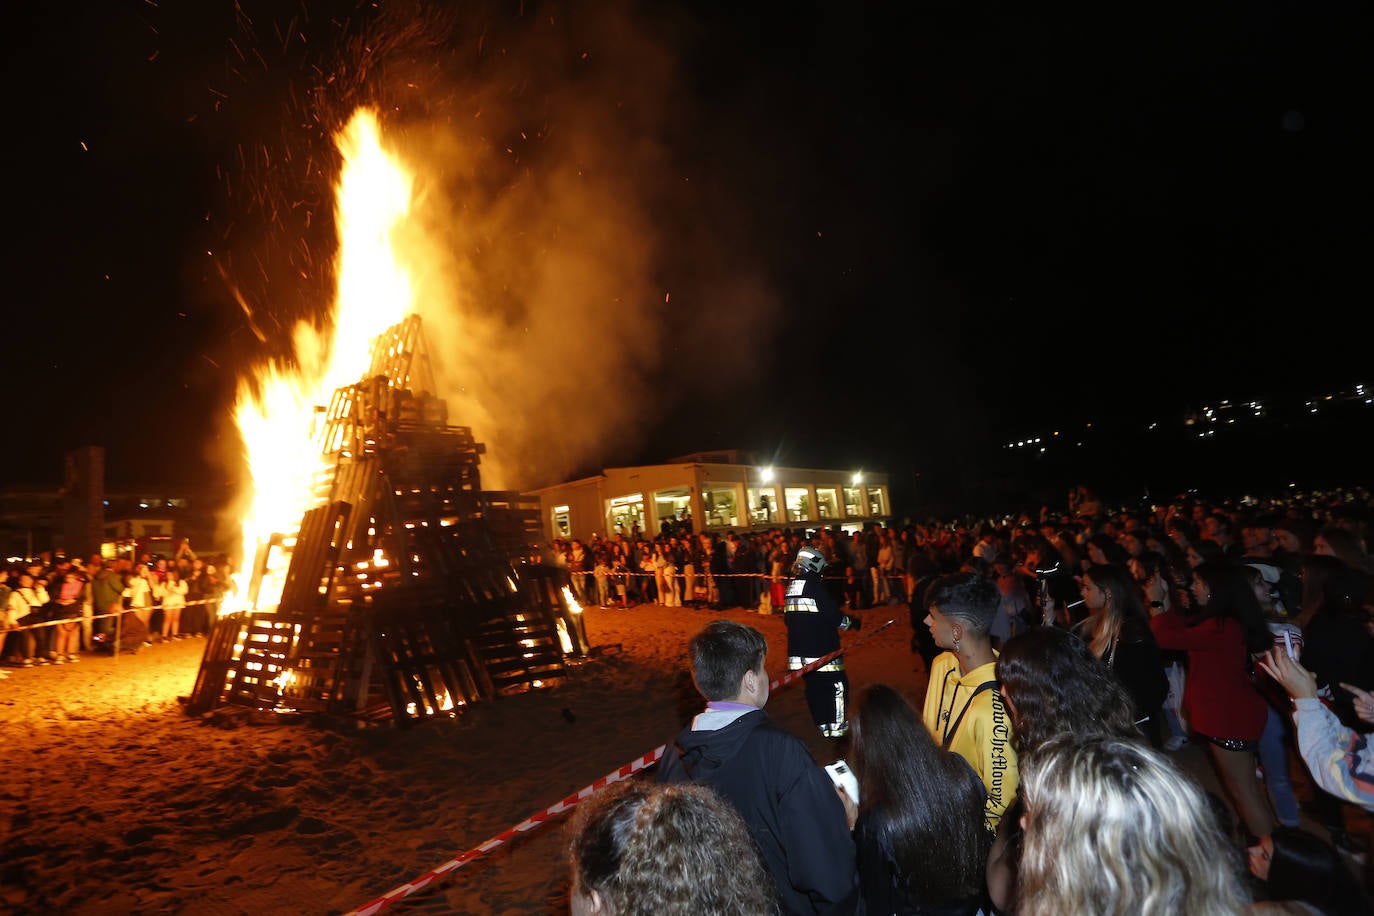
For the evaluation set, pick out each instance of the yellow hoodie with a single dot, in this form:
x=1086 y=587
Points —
x=975 y=725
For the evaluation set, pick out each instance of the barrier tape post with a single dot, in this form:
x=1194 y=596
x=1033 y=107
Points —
x=534 y=820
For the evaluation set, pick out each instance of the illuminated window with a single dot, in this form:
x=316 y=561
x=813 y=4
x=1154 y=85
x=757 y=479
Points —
x=626 y=513
x=673 y=509
x=562 y=522
x=721 y=505
x=828 y=502
x=798 y=501
x=877 y=501
x=853 y=502
x=763 y=505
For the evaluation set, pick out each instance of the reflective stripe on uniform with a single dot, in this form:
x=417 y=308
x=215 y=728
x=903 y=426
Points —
x=806 y=605
x=838 y=727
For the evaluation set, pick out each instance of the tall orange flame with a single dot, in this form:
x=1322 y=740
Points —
x=275 y=408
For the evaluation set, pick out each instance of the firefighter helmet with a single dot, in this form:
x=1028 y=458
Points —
x=810 y=561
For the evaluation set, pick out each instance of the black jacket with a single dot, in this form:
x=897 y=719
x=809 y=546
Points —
x=787 y=801
x=813 y=618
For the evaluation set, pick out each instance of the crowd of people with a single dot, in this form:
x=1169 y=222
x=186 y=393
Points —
x=734 y=569
x=56 y=607
x=1070 y=656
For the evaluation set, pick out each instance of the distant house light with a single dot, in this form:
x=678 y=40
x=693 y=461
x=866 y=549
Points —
x=766 y=474
x=858 y=477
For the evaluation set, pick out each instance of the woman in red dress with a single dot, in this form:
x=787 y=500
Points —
x=1223 y=707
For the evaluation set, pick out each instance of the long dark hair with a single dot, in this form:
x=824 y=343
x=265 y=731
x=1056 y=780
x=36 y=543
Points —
x=1306 y=868
x=1232 y=596
x=1152 y=562
x=1327 y=584
x=924 y=802
x=1056 y=686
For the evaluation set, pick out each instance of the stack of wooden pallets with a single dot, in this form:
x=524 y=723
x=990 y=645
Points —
x=409 y=589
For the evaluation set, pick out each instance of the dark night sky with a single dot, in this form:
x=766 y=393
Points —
x=975 y=221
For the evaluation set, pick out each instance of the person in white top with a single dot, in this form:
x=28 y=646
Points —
x=35 y=593
x=173 y=595
x=139 y=590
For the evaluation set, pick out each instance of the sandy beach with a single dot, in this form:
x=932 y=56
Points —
x=116 y=801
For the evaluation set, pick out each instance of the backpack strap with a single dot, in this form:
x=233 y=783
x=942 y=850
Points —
x=953 y=730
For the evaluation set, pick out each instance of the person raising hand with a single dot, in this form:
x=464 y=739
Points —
x=1340 y=759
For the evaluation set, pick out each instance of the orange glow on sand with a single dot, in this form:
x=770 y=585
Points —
x=275 y=409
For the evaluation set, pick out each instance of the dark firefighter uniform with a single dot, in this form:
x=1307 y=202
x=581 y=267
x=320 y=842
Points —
x=814 y=621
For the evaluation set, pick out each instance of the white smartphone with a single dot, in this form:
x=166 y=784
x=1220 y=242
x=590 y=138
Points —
x=844 y=777
x=1288 y=644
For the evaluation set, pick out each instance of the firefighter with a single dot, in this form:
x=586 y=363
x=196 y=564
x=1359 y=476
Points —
x=814 y=621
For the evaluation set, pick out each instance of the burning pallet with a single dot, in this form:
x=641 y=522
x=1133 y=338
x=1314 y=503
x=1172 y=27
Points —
x=410 y=591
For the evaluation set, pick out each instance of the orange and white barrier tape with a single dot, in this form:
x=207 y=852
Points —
x=83 y=618
x=634 y=766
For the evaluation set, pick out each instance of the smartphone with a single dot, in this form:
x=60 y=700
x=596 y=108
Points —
x=1288 y=645
x=843 y=777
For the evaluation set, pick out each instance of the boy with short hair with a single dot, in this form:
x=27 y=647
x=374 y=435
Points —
x=790 y=805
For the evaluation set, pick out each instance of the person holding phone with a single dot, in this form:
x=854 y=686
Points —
x=1340 y=759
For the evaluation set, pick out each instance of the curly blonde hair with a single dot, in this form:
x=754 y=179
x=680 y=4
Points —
x=670 y=850
x=1114 y=828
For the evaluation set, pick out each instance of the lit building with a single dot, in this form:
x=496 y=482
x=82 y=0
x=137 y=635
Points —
x=713 y=491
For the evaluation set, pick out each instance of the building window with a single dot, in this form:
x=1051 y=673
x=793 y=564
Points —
x=828 y=502
x=626 y=514
x=673 y=508
x=877 y=501
x=763 y=505
x=853 y=502
x=721 y=505
x=562 y=522
x=798 y=504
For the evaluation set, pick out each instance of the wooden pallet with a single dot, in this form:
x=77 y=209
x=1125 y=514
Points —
x=520 y=651
x=218 y=666
x=314 y=560
x=422 y=662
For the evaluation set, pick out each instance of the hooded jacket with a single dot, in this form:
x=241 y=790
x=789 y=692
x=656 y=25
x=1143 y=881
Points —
x=787 y=801
x=974 y=723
